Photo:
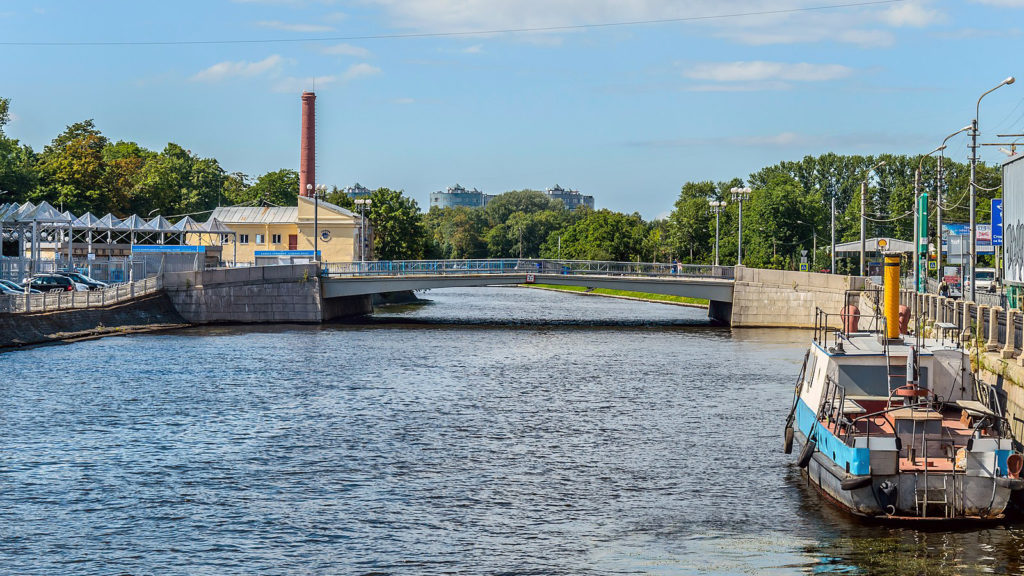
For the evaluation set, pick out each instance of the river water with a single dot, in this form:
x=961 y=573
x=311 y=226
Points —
x=488 y=431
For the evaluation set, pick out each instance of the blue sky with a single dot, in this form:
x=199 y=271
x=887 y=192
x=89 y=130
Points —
x=626 y=113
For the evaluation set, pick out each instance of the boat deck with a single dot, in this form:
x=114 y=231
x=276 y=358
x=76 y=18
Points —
x=955 y=429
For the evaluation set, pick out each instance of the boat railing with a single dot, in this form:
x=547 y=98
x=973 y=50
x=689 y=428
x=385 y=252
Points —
x=825 y=331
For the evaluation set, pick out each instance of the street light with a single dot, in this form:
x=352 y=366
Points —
x=716 y=206
x=814 y=243
x=321 y=189
x=972 y=260
x=740 y=195
x=939 y=186
x=864 y=216
x=918 y=233
x=363 y=203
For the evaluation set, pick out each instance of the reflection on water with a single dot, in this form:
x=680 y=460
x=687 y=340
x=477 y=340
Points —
x=488 y=431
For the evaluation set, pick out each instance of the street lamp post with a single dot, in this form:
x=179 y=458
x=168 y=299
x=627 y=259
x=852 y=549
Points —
x=740 y=195
x=940 y=183
x=716 y=206
x=814 y=243
x=972 y=259
x=864 y=216
x=362 y=203
x=918 y=233
x=322 y=188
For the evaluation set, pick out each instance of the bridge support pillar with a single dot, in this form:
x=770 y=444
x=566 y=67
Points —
x=720 y=312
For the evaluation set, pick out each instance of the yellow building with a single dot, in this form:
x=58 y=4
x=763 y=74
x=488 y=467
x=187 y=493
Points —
x=288 y=228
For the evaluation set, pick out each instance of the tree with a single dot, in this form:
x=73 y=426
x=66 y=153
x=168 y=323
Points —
x=71 y=169
x=397 y=226
x=526 y=201
x=600 y=235
x=691 y=223
x=455 y=233
x=279 y=188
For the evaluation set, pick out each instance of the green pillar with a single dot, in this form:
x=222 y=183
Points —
x=921 y=242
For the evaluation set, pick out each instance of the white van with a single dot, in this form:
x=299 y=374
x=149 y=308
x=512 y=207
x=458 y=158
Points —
x=985 y=278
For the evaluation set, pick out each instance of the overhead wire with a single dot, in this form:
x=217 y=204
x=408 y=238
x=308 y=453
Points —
x=562 y=28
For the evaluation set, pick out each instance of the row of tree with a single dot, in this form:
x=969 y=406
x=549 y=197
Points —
x=788 y=211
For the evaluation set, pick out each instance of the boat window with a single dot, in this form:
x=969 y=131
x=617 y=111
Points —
x=860 y=380
x=812 y=361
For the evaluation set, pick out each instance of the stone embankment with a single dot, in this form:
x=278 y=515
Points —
x=152 y=311
x=787 y=299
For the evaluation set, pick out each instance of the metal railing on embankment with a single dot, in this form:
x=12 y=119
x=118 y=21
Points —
x=524 y=266
x=64 y=300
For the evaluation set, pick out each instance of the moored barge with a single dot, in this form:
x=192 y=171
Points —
x=896 y=427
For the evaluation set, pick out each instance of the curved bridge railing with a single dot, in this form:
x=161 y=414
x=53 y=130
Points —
x=524 y=266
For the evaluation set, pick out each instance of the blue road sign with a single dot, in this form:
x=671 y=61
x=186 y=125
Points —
x=997 y=221
x=168 y=249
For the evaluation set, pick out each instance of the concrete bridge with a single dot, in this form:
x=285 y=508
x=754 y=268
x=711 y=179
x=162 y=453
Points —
x=738 y=296
x=712 y=283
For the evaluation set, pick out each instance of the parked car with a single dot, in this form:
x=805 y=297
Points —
x=11 y=285
x=83 y=279
x=5 y=289
x=49 y=282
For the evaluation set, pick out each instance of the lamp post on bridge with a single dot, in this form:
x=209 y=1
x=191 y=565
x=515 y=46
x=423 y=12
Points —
x=716 y=206
x=363 y=203
x=740 y=195
x=972 y=261
x=321 y=189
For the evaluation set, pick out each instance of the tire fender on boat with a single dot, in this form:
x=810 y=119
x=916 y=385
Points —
x=1011 y=483
x=788 y=438
x=806 y=453
x=855 y=482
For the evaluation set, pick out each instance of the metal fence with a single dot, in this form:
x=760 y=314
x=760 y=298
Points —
x=63 y=300
x=112 y=270
x=523 y=266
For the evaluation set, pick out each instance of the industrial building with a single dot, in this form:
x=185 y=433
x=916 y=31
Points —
x=572 y=199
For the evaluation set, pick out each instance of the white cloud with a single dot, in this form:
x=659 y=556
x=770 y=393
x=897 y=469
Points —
x=242 y=69
x=1002 y=3
x=913 y=14
x=768 y=22
x=359 y=71
x=868 y=38
x=346 y=50
x=278 y=25
x=755 y=71
x=474 y=49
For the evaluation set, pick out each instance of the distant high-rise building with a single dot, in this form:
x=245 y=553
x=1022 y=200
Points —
x=358 y=191
x=572 y=199
x=459 y=196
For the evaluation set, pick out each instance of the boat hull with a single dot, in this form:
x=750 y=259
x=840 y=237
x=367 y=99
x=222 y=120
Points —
x=951 y=497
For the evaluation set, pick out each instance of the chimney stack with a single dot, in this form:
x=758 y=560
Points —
x=307 y=154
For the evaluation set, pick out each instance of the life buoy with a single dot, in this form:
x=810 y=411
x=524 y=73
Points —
x=788 y=446
x=854 y=482
x=806 y=453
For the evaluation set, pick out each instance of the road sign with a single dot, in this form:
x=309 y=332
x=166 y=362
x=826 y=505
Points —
x=933 y=265
x=804 y=266
x=530 y=279
x=997 y=221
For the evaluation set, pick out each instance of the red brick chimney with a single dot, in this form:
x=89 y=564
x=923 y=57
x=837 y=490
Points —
x=307 y=154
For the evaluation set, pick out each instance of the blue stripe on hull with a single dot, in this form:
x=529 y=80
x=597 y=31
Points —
x=855 y=460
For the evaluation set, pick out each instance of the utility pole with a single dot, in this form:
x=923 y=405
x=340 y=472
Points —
x=863 y=223
x=740 y=195
x=833 y=269
x=716 y=206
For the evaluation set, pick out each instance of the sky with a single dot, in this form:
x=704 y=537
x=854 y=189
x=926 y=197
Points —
x=625 y=100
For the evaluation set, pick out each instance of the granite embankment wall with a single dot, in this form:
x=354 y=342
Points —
x=786 y=299
x=146 y=312
x=257 y=295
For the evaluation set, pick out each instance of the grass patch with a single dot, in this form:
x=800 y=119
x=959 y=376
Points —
x=628 y=294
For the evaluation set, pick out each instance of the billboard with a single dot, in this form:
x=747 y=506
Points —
x=1013 y=220
x=997 y=221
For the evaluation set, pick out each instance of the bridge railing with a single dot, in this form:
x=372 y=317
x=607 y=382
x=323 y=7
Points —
x=523 y=266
